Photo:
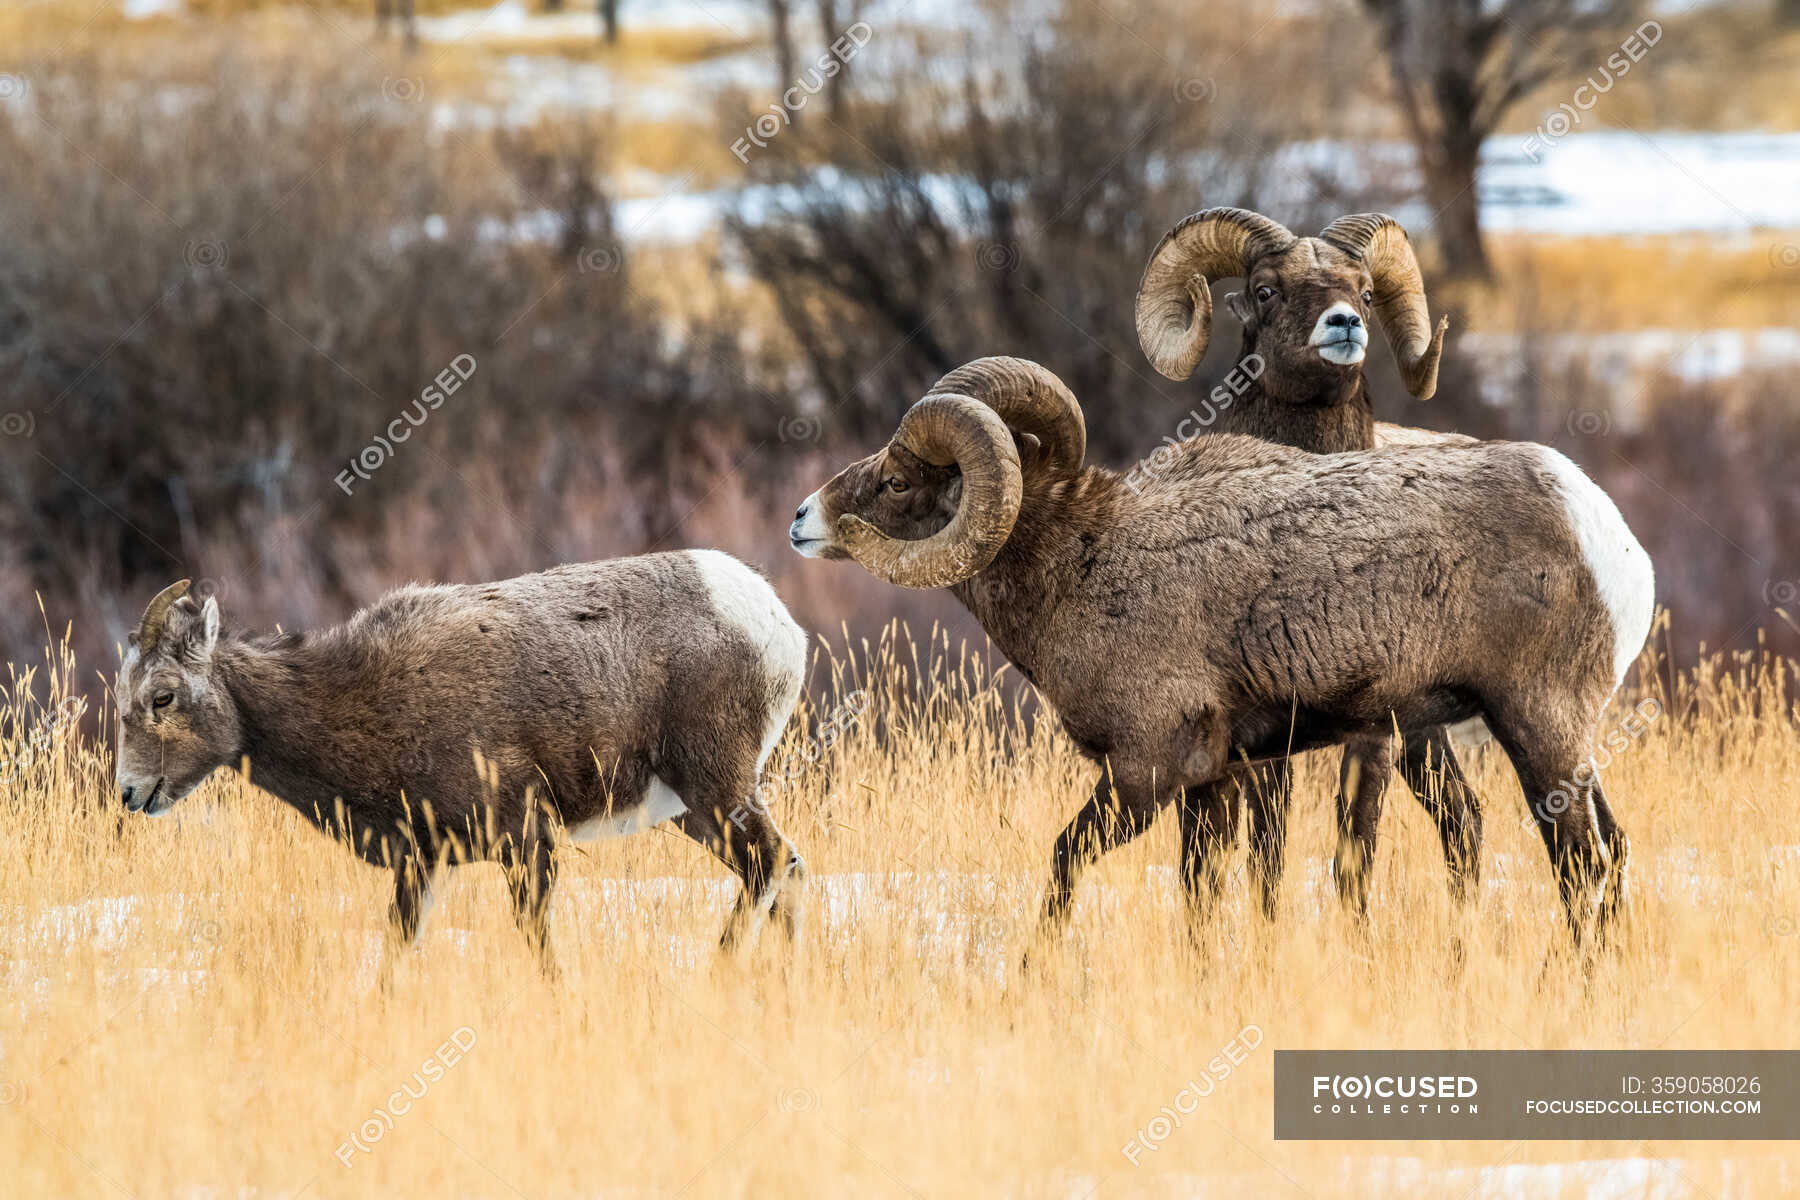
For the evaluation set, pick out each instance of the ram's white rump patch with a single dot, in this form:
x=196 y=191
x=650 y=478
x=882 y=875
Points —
x=1619 y=565
x=744 y=599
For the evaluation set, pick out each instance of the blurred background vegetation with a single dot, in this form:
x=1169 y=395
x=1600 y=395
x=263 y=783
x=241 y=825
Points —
x=238 y=238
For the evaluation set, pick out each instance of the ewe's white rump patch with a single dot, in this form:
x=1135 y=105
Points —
x=1620 y=568
x=744 y=599
x=659 y=804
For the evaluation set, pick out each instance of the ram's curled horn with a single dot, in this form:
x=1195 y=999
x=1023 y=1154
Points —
x=1030 y=399
x=1174 y=308
x=150 y=629
x=1381 y=243
x=943 y=429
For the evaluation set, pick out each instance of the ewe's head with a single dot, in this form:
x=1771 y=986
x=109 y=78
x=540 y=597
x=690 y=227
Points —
x=935 y=505
x=1306 y=304
x=176 y=723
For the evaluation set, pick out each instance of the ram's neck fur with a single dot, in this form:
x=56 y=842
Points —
x=1339 y=418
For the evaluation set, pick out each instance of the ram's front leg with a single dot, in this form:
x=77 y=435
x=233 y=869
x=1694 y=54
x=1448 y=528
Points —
x=1363 y=775
x=1124 y=804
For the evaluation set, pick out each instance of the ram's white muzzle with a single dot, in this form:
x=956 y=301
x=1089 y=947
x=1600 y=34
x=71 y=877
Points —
x=1340 y=342
x=808 y=534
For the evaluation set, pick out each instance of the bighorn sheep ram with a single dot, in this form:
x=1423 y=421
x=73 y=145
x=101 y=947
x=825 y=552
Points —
x=1305 y=309
x=1198 y=621
x=461 y=723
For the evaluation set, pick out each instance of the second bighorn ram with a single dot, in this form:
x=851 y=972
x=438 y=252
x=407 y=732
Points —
x=1194 y=622
x=468 y=722
x=1306 y=308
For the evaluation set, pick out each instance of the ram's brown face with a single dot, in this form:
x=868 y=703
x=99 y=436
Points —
x=893 y=489
x=1307 y=311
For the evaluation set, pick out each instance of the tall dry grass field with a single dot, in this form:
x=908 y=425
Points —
x=191 y=1008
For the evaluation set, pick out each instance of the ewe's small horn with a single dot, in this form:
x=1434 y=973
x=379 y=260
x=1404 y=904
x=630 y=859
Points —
x=944 y=429
x=150 y=629
x=1382 y=244
x=1030 y=399
x=1174 y=307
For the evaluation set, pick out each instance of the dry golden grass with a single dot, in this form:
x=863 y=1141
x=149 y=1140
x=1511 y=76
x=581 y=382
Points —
x=191 y=1009
x=1606 y=284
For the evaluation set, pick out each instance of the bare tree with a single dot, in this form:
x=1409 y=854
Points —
x=782 y=34
x=1459 y=65
x=385 y=13
x=609 y=21
x=829 y=32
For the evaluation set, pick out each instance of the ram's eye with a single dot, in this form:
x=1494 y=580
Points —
x=1264 y=292
x=895 y=486
x=162 y=699
x=1368 y=296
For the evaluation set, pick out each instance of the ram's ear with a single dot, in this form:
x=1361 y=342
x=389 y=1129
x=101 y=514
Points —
x=1240 y=307
x=1031 y=451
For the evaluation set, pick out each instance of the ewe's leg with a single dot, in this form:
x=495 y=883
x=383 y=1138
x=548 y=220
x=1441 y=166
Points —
x=1429 y=766
x=413 y=877
x=1363 y=775
x=1268 y=794
x=531 y=877
x=746 y=840
x=1209 y=817
x=1117 y=812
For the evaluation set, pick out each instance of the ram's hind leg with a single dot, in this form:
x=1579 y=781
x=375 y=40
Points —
x=1428 y=764
x=1618 y=848
x=1363 y=775
x=1209 y=819
x=1268 y=794
x=1550 y=752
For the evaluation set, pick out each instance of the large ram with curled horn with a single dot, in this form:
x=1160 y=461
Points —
x=1305 y=308
x=1197 y=621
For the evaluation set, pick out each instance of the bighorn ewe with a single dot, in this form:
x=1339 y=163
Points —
x=1180 y=627
x=1305 y=310
x=461 y=723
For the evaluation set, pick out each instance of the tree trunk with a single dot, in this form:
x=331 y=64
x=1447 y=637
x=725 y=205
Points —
x=553 y=5
x=837 y=89
x=609 y=21
x=1787 y=13
x=783 y=36
x=1450 y=169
